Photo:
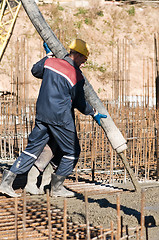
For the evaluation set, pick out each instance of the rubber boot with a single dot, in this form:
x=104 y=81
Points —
x=31 y=186
x=57 y=188
x=33 y=174
x=6 y=184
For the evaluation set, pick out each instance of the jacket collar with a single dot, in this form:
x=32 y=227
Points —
x=71 y=62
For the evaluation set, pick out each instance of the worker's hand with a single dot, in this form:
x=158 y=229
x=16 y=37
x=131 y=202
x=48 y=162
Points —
x=46 y=48
x=97 y=116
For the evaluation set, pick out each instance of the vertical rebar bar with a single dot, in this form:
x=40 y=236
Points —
x=156 y=48
x=112 y=230
x=137 y=233
x=87 y=215
x=142 y=213
x=24 y=214
x=65 y=220
x=16 y=218
x=148 y=82
x=112 y=96
x=118 y=218
x=111 y=164
x=24 y=80
x=27 y=72
x=49 y=214
x=123 y=71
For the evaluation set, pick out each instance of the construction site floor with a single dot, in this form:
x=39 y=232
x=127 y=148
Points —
x=102 y=210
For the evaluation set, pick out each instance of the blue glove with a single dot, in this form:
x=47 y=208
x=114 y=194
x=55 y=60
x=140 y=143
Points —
x=46 y=48
x=98 y=116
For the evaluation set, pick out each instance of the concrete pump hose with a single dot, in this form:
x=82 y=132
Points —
x=114 y=135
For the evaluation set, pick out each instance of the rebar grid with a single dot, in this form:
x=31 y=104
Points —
x=28 y=217
x=136 y=120
x=137 y=124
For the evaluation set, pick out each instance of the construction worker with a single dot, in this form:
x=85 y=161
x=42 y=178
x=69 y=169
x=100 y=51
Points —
x=60 y=93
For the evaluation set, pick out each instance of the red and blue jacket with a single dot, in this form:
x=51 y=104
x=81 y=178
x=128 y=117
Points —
x=61 y=91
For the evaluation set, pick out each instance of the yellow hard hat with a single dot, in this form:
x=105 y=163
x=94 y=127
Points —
x=80 y=46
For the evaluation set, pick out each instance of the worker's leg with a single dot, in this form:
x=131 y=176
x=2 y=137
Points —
x=38 y=168
x=50 y=168
x=58 y=154
x=36 y=142
x=69 y=144
x=44 y=158
x=41 y=166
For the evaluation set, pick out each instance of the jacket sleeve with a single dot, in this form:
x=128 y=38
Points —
x=79 y=101
x=38 y=68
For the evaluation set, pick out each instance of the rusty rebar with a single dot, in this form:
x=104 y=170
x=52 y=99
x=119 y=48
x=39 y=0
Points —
x=16 y=218
x=87 y=215
x=112 y=228
x=118 y=218
x=65 y=220
x=24 y=214
x=142 y=214
x=49 y=214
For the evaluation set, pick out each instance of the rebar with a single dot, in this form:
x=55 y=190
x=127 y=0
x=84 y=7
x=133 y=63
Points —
x=35 y=221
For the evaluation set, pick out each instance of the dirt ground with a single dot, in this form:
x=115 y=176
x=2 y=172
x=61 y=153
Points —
x=102 y=209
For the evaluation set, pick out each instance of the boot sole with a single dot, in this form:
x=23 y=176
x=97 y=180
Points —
x=10 y=195
x=67 y=196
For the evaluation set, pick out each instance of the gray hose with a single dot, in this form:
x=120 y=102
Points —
x=114 y=135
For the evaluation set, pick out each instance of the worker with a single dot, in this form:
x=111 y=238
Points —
x=60 y=93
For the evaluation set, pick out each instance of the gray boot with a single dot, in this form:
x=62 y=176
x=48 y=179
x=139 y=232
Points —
x=57 y=188
x=6 y=184
x=31 y=186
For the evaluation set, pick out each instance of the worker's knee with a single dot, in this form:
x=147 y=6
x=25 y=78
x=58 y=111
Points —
x=44 y=158
x=67 y=165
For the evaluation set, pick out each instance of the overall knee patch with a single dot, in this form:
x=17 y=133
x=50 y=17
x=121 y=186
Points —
x=67 y=165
